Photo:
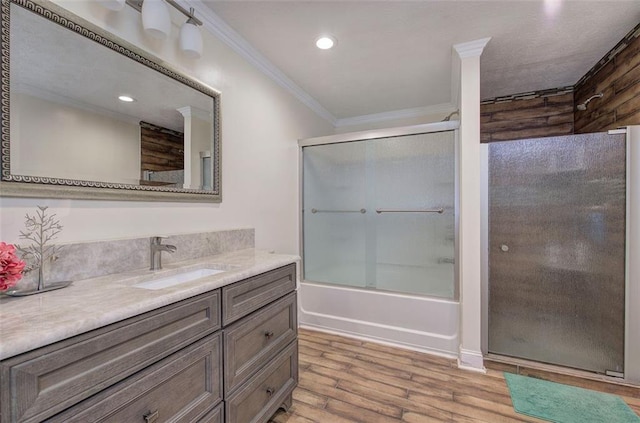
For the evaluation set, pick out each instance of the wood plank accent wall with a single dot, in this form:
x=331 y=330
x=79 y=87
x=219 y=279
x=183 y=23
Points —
x=529 y=115
x=161 y=148
x=617 y=76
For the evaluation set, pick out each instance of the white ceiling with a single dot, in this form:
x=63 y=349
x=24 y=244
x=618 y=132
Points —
x=394 y=57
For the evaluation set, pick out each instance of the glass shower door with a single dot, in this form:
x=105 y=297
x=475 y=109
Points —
x=379 y=214
x=334 y=200
x=557 y=250
x=412 y=229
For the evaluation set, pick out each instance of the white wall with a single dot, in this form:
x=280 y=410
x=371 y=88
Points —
x=261 y=124
x=92 y=147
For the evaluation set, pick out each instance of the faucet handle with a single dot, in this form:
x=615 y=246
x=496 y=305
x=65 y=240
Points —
x=157 y=239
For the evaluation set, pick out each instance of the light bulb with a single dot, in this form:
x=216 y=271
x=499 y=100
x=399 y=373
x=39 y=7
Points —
x=325 y=42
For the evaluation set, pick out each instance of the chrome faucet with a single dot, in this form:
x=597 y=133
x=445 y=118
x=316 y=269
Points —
x=156 y=248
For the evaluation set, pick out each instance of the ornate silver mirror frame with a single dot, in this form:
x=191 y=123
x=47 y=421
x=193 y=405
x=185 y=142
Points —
x=15 y=185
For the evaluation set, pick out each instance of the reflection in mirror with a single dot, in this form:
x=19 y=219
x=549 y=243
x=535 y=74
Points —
x=69 y=123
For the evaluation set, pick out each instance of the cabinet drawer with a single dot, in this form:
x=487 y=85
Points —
x=241 y=298
x=251 y=342
x=183 y=387
x=258 y=399
x=214 y=416
x=48 y=380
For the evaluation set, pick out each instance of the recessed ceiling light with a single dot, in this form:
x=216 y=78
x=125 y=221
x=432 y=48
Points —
x=126 y=98
x=325 y=42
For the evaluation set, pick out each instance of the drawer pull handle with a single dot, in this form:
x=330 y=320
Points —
x=270 y=391
x=151 y=417
x=268 y=334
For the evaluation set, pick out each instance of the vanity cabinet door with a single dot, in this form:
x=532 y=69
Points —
x=241 y=298
x=250 y=343
x=43 y=382
x=183 y=387
x=262 y=395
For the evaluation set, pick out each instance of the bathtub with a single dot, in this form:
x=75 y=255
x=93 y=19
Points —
x=414 y=322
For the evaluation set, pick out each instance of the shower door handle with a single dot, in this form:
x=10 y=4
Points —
x=363 y=211
x=439 y=211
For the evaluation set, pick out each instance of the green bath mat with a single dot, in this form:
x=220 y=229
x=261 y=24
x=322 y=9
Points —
x=566 y=404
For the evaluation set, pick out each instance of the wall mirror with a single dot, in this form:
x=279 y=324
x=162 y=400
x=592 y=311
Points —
x=67 y=134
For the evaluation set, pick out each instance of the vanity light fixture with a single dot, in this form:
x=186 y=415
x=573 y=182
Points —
x=156 y=21
x=325 y=42
x=190 y=38
x=126 y=99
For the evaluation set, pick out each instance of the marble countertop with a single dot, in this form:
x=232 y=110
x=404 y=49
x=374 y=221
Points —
x=31 y=322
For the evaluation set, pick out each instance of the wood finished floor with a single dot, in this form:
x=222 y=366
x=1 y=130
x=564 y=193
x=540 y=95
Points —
x=346 y=380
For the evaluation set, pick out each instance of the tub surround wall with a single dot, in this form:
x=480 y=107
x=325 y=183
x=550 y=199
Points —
x=78 y=261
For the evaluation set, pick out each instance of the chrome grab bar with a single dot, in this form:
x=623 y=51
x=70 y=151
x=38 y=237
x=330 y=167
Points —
x=339 y=211
x=439 y=211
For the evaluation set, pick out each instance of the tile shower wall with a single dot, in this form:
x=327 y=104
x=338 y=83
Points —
x=85 y=260
x=551 y=113
x=530 y=115
x=617 y=76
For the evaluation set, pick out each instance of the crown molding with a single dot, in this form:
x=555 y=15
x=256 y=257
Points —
x=471 y=48
x=218 y=27
x=396 y=115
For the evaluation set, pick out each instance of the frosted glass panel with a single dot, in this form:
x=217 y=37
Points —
x=334 y=229
x=370 y=214
x=412 y=177
x=556 y=250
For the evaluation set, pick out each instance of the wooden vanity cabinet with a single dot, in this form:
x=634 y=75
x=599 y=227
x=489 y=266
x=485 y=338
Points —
x=40 y=383
x=179 y=363
x=260 y=345
x=183 y=387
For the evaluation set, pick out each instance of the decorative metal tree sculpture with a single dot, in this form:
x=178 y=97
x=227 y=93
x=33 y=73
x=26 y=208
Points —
x=40 y=229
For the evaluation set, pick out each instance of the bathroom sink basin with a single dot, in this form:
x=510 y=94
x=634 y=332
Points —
x=180 y=278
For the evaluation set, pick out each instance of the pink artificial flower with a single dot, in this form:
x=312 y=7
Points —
x=10 y=266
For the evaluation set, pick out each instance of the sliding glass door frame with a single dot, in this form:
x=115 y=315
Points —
x=373 y=135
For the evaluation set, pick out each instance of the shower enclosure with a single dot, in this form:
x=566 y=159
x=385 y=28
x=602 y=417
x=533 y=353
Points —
x=379 y=214
x=557 y=250
x=378 y=232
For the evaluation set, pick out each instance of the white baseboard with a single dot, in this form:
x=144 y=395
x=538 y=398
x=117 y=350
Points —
x=471 y=360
